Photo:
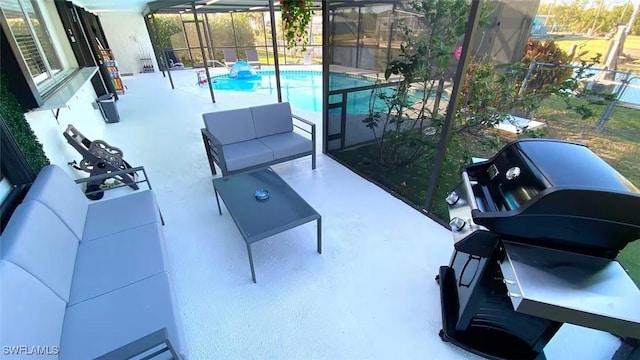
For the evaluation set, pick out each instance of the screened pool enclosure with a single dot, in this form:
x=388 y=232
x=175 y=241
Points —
x=386 y=117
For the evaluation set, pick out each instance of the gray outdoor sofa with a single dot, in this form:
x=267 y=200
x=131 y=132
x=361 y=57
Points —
x=250 y=138
x=86 y=280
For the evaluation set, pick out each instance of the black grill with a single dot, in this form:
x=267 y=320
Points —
x=536 y=230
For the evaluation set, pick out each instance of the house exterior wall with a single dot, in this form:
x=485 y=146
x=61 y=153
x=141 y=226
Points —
x=79 y=110
x=59 y=39
x=81 y=114
x=129 y=40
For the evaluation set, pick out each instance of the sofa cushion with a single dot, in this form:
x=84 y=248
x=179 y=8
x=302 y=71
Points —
x=272 y=119
x=39 y=242
x=104 y=323
x=32 y=314
x=287 y=144
x=117 y=214
x=245 y=154
x=59 y=192
x=230 y=126
x=114 y=261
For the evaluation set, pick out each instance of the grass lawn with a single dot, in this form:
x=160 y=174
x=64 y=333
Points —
x=599 y=45
x=618 y=144
x=596 y=44
x=290 y=59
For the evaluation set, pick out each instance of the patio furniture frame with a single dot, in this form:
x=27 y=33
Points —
x=143 y=348
x=244 y=208
x=215 y=153
x=117 y=175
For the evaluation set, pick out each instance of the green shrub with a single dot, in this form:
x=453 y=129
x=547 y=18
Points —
x=486 y=97
x=546 y=52
x=20 y=129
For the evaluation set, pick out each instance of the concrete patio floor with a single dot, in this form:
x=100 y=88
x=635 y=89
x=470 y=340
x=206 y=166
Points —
x=370 y=295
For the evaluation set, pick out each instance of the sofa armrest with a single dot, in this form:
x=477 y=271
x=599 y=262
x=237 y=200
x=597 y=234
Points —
x=131 y=171
x=147 y=347
x=304 y=121
x=313 y=136
x=311 y=131
x=215 y=151
x=215 y=142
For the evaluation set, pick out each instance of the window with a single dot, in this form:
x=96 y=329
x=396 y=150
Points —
x=5 y=188
x=33 y=40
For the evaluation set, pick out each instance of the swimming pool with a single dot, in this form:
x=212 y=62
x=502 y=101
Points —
x=302 y=88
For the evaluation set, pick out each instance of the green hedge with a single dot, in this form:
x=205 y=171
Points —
x=20 y=129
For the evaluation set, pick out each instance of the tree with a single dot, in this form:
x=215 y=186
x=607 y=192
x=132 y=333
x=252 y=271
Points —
x=404 y=120
x=236 y=33
x=163 y=29
x=582 y=15
x=545 y=52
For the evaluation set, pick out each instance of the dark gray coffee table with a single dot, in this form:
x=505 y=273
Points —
x=259 y=219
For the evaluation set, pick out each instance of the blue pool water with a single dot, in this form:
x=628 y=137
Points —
x=303 y=89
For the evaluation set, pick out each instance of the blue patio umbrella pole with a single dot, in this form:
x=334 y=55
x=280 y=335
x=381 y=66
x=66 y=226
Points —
x=204 y=55
x=274 y=41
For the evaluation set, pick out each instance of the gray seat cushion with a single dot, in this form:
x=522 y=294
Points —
x=287 y=144
x=32 y=314
x=67 y=201
x=114 y=261
x=104 y=323
x=230 y=126
x=121 y=213
x=245 y=154
x=272 y=119
x=39 y=242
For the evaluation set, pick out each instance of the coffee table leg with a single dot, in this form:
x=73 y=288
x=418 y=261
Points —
x=319 y=221
x=217 y=200
x=253 y=273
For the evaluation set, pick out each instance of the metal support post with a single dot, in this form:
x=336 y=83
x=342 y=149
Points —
x=467 y=44
x=204 y=55
x=606 y=114
x=164 y=52
x=326 y=58
x=274 y=41
x=525 y=82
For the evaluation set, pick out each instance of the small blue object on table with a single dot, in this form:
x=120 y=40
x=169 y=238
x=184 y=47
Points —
x=262 y=194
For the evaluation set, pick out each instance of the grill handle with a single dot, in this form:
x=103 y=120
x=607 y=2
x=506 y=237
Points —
x=471 y=198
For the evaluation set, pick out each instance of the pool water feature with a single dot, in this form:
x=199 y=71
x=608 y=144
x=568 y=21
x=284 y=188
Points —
x=303 y=88
x=242 y=71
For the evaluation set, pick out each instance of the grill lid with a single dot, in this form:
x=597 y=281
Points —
x=553 y=193
x=573 y=165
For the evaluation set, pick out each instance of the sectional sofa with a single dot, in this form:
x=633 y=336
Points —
x=86 y=280
x=258 y=136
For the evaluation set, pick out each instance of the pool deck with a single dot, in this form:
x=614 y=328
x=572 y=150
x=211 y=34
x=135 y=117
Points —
x=364 y=73
x=370 y=295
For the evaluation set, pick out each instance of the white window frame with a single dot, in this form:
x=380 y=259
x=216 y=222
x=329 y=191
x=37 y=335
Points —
x=55 y=76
